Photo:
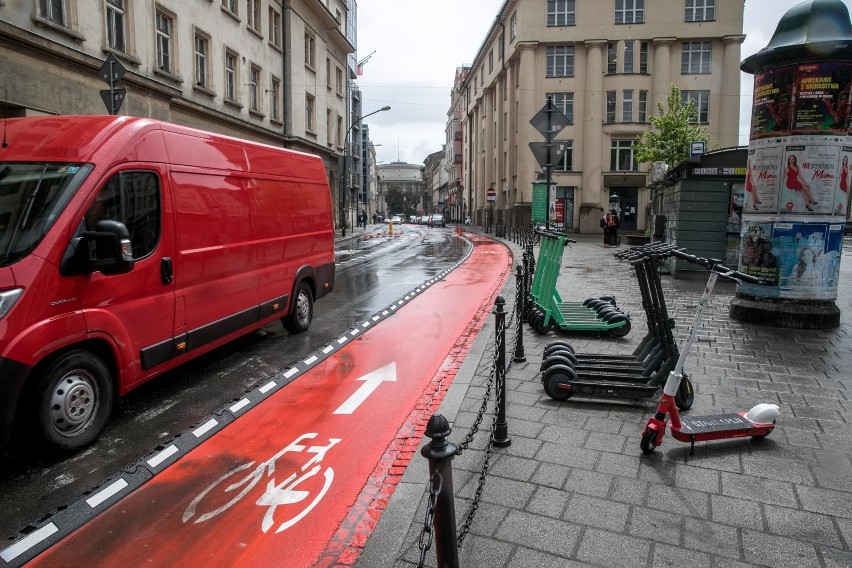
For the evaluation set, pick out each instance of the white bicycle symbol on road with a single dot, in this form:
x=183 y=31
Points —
x=288 y=492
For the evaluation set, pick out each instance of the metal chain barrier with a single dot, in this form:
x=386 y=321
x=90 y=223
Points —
x=440 y=452
x=424 y=543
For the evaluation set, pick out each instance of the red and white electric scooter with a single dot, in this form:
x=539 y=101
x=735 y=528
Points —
x=756 y=423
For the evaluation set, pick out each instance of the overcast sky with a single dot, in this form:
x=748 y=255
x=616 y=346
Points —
x=419 y=45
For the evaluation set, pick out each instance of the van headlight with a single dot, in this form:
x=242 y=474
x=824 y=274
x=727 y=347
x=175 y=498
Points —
x=8 y=299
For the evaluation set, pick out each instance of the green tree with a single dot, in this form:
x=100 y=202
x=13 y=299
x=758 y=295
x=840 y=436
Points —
x=401 y=200
x=674 y=129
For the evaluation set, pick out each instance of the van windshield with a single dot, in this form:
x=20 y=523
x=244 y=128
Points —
x=32 y=196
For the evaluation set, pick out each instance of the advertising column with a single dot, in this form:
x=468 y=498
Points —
x=797 y=178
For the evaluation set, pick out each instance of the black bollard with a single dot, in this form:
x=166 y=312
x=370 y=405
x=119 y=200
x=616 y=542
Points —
x=501 y=430
x=440 y=452
x=520 y=356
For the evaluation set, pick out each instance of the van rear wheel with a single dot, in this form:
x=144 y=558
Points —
x=74 y=401
x=299 y=318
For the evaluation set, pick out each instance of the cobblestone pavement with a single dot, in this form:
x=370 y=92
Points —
x=574 y=489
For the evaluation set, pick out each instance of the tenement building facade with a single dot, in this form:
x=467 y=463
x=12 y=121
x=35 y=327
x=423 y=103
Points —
x=605 y=64
x=265 y=70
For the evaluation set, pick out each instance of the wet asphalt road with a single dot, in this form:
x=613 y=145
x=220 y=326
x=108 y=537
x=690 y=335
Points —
x=372 y=272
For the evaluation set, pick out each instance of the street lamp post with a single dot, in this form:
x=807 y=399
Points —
x=344 y=183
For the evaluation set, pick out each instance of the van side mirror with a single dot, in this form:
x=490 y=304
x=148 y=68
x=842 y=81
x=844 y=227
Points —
x=106 y=249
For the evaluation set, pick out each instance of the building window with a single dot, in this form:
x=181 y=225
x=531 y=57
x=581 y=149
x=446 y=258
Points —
x=561 y=12
x=340 y=132
x=629 y=11
x=621 y=156
x=610 y=106
x=329 y=125
x=310 y=50
x=500 y=49
x=700 y=10
x=338 y=78
x=513 y=26
x=164 y=25
x=565 y=103
x=231 y=78
x=231 y=6
x=612 y=57
x=115 y=21
x=490 y=60
x=253 y=14
x=309 y=112
x=274 y=27
x=643 y=56
x=627 y=106
x=702 y=104
x=53 y=10
x=202 y=52
x=566 y=164
x=695 y=57
x=643 y=106
x=628 y=56
x=560 y=61
x=275 y=98
x=254 y=88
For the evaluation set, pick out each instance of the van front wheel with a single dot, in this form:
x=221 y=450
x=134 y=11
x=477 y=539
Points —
x=74 y=401
x=299 y=318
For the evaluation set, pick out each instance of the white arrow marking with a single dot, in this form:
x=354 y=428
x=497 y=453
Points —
x=372 y=381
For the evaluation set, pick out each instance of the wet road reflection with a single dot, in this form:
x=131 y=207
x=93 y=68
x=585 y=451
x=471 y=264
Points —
x=372 y=272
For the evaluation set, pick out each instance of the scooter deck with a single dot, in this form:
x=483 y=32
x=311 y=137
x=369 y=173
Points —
x=693 y=425
x=613 y=388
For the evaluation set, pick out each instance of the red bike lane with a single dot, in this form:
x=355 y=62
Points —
x=291 y=481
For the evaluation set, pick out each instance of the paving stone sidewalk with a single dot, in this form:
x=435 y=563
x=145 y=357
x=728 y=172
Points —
x=574 y=489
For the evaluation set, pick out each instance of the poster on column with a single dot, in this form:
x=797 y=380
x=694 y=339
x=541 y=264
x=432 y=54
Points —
x=810 y=177
x=793 y=260
x=772 y=108
x=841 y=193
x=823 y=98
x=763 y=174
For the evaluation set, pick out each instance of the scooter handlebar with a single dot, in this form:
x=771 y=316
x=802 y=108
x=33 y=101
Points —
x=716 y=266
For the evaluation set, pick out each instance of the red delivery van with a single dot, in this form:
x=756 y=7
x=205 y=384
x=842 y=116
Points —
x=129 y=246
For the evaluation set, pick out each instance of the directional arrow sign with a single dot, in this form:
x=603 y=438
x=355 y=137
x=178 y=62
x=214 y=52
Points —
x=371 y=382
x=557 y=149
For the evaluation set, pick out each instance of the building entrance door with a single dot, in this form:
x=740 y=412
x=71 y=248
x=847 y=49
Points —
x=629 y=203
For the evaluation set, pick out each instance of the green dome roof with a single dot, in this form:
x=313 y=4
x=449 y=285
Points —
x=813 y=30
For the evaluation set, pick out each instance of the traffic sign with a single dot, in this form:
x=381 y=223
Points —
x=557 y=120
x=491 y=194
x=112 y=70
x=557 y=150
x=113 y=99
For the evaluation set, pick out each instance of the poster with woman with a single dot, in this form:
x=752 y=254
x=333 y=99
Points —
x=844 y=180
x=809 y=259
x=823 y=92
x=763 y=176
x=772 y=109
x=792 y=260
x=809 y=178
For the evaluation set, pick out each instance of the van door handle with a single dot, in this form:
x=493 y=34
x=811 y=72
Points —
x=166 y=273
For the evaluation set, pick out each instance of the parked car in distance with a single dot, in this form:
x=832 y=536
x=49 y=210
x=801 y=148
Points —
x=438 y=221
x=412 y=219
x=424 y=220
x=395 y=220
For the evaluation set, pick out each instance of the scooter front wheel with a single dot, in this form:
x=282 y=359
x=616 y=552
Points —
x=649 y=441
x=685 y=395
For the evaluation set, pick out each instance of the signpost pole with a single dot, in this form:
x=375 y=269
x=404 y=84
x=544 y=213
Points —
x=549 y=140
